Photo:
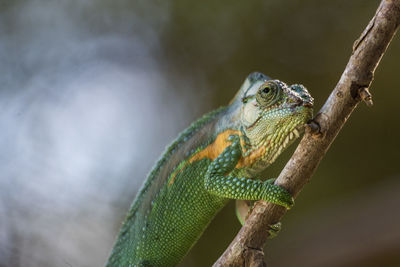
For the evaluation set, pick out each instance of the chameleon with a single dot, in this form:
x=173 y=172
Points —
x=217 y=158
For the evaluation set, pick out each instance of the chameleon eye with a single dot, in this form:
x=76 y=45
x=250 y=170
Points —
x=267 y=93
x=266 y=90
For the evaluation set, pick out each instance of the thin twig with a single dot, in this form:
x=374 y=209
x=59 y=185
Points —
x=246 y=248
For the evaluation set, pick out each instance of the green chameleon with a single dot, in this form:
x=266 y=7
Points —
x=214 y=160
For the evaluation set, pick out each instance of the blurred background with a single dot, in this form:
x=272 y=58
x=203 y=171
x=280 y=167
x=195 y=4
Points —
x=91 y=92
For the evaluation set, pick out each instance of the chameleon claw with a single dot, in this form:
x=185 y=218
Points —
x=277 y=195
x=270 y=181
x=366 y=96
x=274 y=229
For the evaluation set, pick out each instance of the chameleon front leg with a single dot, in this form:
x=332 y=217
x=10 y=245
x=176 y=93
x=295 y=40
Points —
x=244 y=207
x=217 y=180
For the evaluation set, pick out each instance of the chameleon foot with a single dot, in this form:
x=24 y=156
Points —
x=277 y=195
x=274 y=229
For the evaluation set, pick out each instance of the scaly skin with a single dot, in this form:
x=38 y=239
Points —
x=216 y=159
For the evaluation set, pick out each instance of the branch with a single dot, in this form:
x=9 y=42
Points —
x=246 y=248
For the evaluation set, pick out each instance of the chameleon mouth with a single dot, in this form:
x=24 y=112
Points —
x=302 y=103
x=308 y=104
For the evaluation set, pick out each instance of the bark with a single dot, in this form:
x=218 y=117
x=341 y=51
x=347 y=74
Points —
x=246 y=248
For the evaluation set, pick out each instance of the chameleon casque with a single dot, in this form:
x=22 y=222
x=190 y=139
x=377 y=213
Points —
x=218 y=158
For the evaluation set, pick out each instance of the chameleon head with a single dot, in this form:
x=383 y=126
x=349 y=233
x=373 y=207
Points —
x=273 y=114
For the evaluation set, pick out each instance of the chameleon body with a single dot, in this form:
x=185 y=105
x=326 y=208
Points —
x=218 y=158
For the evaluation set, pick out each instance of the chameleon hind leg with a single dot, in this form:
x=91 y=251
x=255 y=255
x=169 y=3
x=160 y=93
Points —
x=244 y=207
x=243 y=210
x=219 y=183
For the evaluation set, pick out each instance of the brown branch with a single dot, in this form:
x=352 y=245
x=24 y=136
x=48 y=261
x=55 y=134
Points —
x=246 y=248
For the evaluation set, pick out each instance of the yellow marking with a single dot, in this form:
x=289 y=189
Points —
x=178 y=169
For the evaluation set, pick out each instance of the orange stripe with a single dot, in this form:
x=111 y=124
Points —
x=213 y=150
x=251 y=158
